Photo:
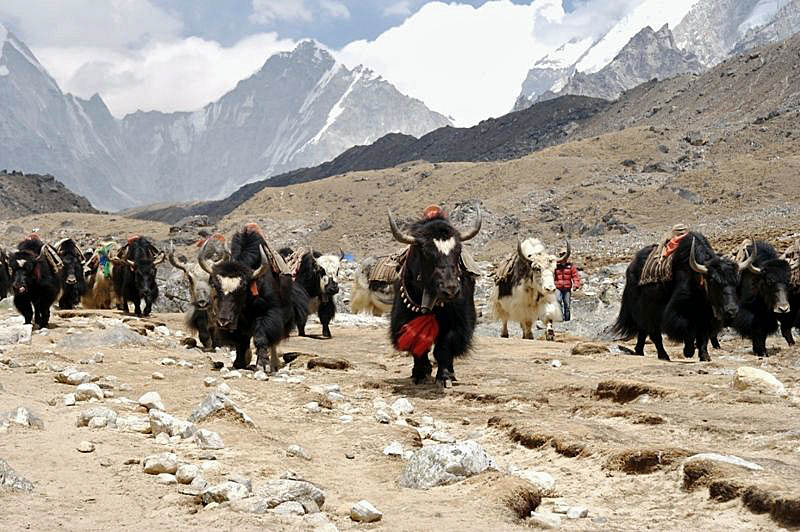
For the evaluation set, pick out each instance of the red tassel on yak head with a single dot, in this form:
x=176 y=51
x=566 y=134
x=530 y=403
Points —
x=417 y=336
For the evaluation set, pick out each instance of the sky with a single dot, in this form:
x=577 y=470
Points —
x=466 y=59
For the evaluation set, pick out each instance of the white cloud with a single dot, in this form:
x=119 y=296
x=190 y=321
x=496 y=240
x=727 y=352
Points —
x=178 y=75
x=113 y=23
x=334 y=9
x=397 y=9
x=269 y=11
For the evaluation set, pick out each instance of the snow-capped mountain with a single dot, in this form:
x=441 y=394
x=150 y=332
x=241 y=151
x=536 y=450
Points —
x=302 y=108
x=785 y=23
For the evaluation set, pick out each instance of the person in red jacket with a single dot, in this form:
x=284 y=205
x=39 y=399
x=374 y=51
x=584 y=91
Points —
x=567 y=279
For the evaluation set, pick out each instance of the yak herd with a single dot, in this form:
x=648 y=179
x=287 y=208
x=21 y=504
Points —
x=245 y=293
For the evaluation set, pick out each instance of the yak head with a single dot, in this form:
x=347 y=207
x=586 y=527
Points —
x=770 y=276
x=23 y=271
x=720 y=276
x=327 y=271
x=434 y=260
x=142 y=258
x=231 y=284
x=199 y=286
x=73 y=262
x=538 y=265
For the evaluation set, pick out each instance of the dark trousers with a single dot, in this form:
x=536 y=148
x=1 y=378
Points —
x=564 y=300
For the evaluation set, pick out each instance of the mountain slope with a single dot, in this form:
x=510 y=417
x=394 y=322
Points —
x=26 y=194
x=785 y=23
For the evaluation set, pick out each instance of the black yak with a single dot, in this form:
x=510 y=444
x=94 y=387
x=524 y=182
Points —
x=5 y=274
x=73 y=283
x=35 y=280
x=134 y=276
x=317 y=275
x=792 y=319
x=763 y=295
x=249 y=299
x=688 y=308
x=434 y=296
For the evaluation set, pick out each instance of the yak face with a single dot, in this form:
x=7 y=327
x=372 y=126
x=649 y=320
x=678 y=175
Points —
x=201 y=293
x=721 y=282
x=229 y=284
x=72 y=259
x=144 y=277
x=327 y=271
x=539 y=265
x=772 y=284
x=23 y=272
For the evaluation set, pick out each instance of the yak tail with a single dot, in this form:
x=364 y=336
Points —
x=625 y=327
x=299 y=304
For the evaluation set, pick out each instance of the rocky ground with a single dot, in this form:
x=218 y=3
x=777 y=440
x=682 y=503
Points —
x=110 y=422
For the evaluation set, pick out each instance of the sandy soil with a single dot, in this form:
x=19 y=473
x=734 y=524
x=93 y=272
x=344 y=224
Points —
x=510 y=398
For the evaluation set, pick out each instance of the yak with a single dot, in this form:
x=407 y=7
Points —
x=73 y=282
x=792 y=318
x=763 y=295
x=317 y=275
x=434 y=295
x=701 y=294
x=372 y=295
x=249 y=300
x=527 y=293
x=5 y=274
x=35 y=281
x=198 y=317
x=98 y=274
x=134 y=277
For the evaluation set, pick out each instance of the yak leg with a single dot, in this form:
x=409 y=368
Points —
x=205 y=339
x=26 y=309
x=640 y=340
x=447 y=346
x=760 y=345
x=527 y=333
x=326 y=312
x=504 y=330
x=688 y=347
x=702 y=348
x=714 y=341
x=243 y=355
x=786 y=330
x=137 y=308
x=148 y=306
x=655 y=336
x=422 y=369
x=550 y=334
x=44 y=317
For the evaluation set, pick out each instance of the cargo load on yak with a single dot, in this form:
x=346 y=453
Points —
x=658 y=266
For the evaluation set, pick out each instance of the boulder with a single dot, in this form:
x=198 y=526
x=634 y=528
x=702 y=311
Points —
x=85 y=447
x=227 y=491
x=187 y=473
x=87 y=391
x=171 y=425
x=276 y=492
x=364 y=512
x=73 y=377
x=102 y=412
x=161 y=463
x=138 y=424
x=207 y=439
x=446 y=463
x=23 y=417
x=542 y=480
x=290 y=508
x=755 y=379
x=152 y=400
x=402 y=407
x=12 y=480
x=217 y=403
x=115 y=336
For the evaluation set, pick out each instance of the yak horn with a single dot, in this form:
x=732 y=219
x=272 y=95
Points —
x=173 y=261
x=474 y=231
x=399 y=236
x=569 y=250
x=201 y=258
x=341 y=254
x=519 y=250
x=265 y=267
x=749 y=262
x=699 y=268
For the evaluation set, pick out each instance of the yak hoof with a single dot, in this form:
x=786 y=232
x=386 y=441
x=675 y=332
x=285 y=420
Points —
x=688 y=353
x=715 y=343
x=704 y=357
x=504 y=335
x=550 y=335
x=663 y=356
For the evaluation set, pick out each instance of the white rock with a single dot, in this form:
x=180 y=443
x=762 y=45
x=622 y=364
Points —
x=207 y=439
x=227 y=491
x=443 y=436
x=542 y=480
x=577 y=512
x=73 y=377
x=209 y=381
x=297 y=451
x=402 y=407
x=152 y=400
x=85 y=447
x=87 y=391
x=98 y=423
x=313 y=407
x=185 y=364
x=86 y=416
x=137 y=424
x=290 y=508
x=276 y=492
x=560 y=507
x=364 y=512
x=546 y=521
x=163 y=422
x=161 y=463
x=235 y=374
x=211 y=466
x=445 y=463
x=260 y=376
x=748 y=378
x=383 y=416
x=726 y=458
x=346 y=419
x=555 y=363
x=427 y=420
x=187 y=473
x=393 y=449
x=162 y=330
x=98 y=358
x=69 y=399
x=162 y=438
x=168 y=362
x=224 y=389
x=156 y=376
x=166 y=479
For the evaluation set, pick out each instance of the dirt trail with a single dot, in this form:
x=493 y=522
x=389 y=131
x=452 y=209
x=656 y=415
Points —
x=510 y=398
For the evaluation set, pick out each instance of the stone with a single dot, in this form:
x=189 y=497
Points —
x=227 y=491
x=393 y=449
x=577 y=512
x=313 y=407
x=152 y=400
x=15 y=333
x=85 y=447
x=346 y=419
x=364 y=512
x=241 y=479
x=290 y=508
x=98 y=423
x=96 y=412
x=216 y=403
x=73 y=377
x=161 y=463
x=235 y=374
x=23 y=417
x=544 y=481
x=185 y=364
x=546 y=521
x=137 y=424
x=187 y=473
x=275 y=492
x=555 y=363
x=87 y=391
x=402 y=407
x=166 y=479
x=382 y=416
x=115 y=336
x=209 y=381
x=163 y=422
x=168 y=362
x=727 y=459
x=12 y=480
x=445 y=463
x=69 y=399
x=158 y=376
x=162 y=438
x=224 y=389
x=442 y=436
x=560 y=507
x=207 y=439
x=260 y=376
x=297 y=451
x=755 y=379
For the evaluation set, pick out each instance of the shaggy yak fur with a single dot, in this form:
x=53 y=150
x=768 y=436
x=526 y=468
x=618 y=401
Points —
x=73 y=282
x=688 y=308
x=317 y=276
x=198 y=317
x=134 y=276
x=5 y=274
x=35 y=282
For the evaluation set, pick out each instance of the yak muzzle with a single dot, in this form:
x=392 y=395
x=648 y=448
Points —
x=20 y=289
x=225 y=323
x=782 y=308
x=71 y=279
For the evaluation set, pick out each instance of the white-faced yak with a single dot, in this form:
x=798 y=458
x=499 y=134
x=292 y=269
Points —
x=434 y=296
x=35 y=280
x=250 y=298
x=701 y=293
x=318 y=276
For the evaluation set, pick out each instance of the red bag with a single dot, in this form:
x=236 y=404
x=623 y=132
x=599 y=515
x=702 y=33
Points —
x=417 y=336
